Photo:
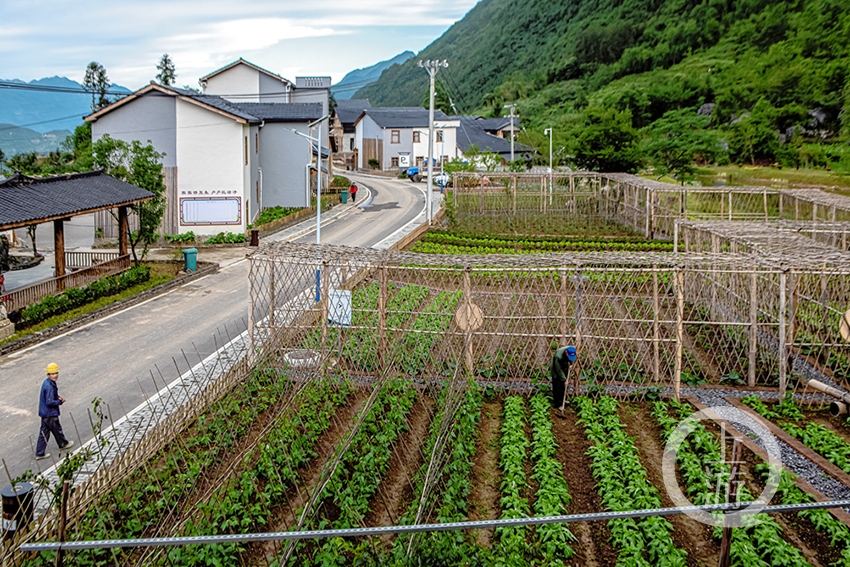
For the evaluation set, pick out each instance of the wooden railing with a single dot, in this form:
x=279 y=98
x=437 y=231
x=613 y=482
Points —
x=79 y=260
x=20 y=298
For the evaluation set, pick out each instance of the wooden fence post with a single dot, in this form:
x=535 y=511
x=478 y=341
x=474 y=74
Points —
x=732 y=491
x=563 y=300
x=783 y=357
x=63 y=519
x=467 y=343
x=680 y=330
x=326 y=301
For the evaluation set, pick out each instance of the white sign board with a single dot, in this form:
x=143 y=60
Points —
x=339 y=307
x=210 y=210
x=404 y=160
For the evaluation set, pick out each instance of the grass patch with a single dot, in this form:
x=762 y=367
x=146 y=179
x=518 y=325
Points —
x=786 y=177
x=160 y=274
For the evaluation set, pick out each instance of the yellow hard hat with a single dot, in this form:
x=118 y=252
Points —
x=52 y=368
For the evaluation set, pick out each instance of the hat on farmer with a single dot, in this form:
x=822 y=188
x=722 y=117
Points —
x=571 y=353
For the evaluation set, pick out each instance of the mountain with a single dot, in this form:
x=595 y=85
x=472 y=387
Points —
x=16 y=140
x=786 y=61
x=359 y=78
x=44 y=105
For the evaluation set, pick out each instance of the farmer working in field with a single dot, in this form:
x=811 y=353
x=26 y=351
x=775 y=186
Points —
x=563 y=359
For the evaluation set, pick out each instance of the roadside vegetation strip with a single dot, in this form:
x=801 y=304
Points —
x=623 y=485
x=452 y=502
x=355 y=481
x=152 y=495
x=246 y=501
x=512 y=547
x=487 y=246
x=816 y=437
x=415 y=347
x=759 y=542
x=552 y=496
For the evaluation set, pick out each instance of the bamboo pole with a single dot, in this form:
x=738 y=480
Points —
x=764 y=197
x=326 y=301
x=730 y=204
x=579 y=306
x=63 y=519
x=732 y=491
x=563 y=300
x=272 y=286
x=656 y=333
x=467 y=345
x=382 y=319
x=753 y=338
x=680 y=330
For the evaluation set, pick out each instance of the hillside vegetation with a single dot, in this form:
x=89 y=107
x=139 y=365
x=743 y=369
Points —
x=770 y=78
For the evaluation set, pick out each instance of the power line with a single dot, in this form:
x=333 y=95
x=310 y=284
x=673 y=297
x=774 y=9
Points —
x=42 y=122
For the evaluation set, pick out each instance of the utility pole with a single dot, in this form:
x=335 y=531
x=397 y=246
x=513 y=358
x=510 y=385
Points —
x=548 y=132
x=432 y=67
x=513 y=132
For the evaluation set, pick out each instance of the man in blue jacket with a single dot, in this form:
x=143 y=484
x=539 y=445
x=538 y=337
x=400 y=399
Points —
x=48 y=409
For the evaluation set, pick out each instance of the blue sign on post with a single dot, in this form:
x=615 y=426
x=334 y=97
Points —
x=318 y=285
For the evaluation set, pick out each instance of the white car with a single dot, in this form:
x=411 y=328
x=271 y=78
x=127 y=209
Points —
x=442 y=179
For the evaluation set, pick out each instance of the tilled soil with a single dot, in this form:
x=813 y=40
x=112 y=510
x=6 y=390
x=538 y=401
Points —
x=689 y=535
x=396 y=490
x=286 y=516
x=486 y=476
x=592 y=549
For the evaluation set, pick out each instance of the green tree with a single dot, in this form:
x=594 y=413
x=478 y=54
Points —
x=2 y=159
x=753 y=137
x=139 y=165
x=26 y=163
x=97 y=83
x=677 y=140
x=606 y=141
x=167 y=71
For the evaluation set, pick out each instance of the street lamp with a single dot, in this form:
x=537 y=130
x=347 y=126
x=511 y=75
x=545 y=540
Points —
x=432 y=67
x=318 y=142
x=513 y=132
x=548 y=132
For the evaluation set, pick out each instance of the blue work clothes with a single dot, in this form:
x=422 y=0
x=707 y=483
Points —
x=48 y=401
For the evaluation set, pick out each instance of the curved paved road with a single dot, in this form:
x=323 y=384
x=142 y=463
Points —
x=124 y=357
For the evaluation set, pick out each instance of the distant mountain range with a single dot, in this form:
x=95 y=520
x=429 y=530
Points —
x=36 y=116
x=359 y=78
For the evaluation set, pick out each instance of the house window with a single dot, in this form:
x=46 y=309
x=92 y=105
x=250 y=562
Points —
x=439 y=135
x=246 y=150
x=257 y=143
x=445 y=159
x=394 y=161
x=395 y=137
x=416 y=137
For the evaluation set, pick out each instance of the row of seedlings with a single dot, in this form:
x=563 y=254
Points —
x=345 y=499
x=816 y=437
x=155 y=495
x=449 y=501
x=246 y=501
x=759 y=543
x=623 y=485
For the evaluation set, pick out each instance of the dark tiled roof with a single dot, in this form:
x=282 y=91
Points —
x=349 y=111
x=493 y=124
x=282 y=111
x=471 y=132
x=403 y=117
x=30 y=200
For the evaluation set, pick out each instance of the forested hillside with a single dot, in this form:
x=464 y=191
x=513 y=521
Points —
x=769 y=77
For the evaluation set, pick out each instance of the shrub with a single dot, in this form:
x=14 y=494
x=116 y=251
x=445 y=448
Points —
x=226 y=238
x=373 y=163
x=271 y=214
x=341 y=182
x=79 y=296
x=184 y=238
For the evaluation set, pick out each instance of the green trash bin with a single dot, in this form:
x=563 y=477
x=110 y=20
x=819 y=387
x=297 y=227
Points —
x=190 y=259
x=343 y=195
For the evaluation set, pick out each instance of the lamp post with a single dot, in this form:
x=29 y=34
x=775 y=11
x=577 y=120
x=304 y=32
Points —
x=548 y=132
x=432 y=67
x=318 y=142
x=513 y=132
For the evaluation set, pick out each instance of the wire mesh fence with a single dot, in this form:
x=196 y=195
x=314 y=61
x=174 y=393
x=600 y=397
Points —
x=640 y=321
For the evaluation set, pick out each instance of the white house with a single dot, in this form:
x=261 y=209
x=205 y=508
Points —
x=224 y=161
x=398 y=137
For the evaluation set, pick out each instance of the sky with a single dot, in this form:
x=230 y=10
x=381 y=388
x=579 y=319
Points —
x=43 y=38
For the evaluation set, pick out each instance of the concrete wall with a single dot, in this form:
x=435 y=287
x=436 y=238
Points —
x=315 y=95
x=283 y=158
x=393 y=150
x=152 y=117
x=273 y=90
x=239 y=79
x=448 y=147
x=366 y=128
x=211 y=150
